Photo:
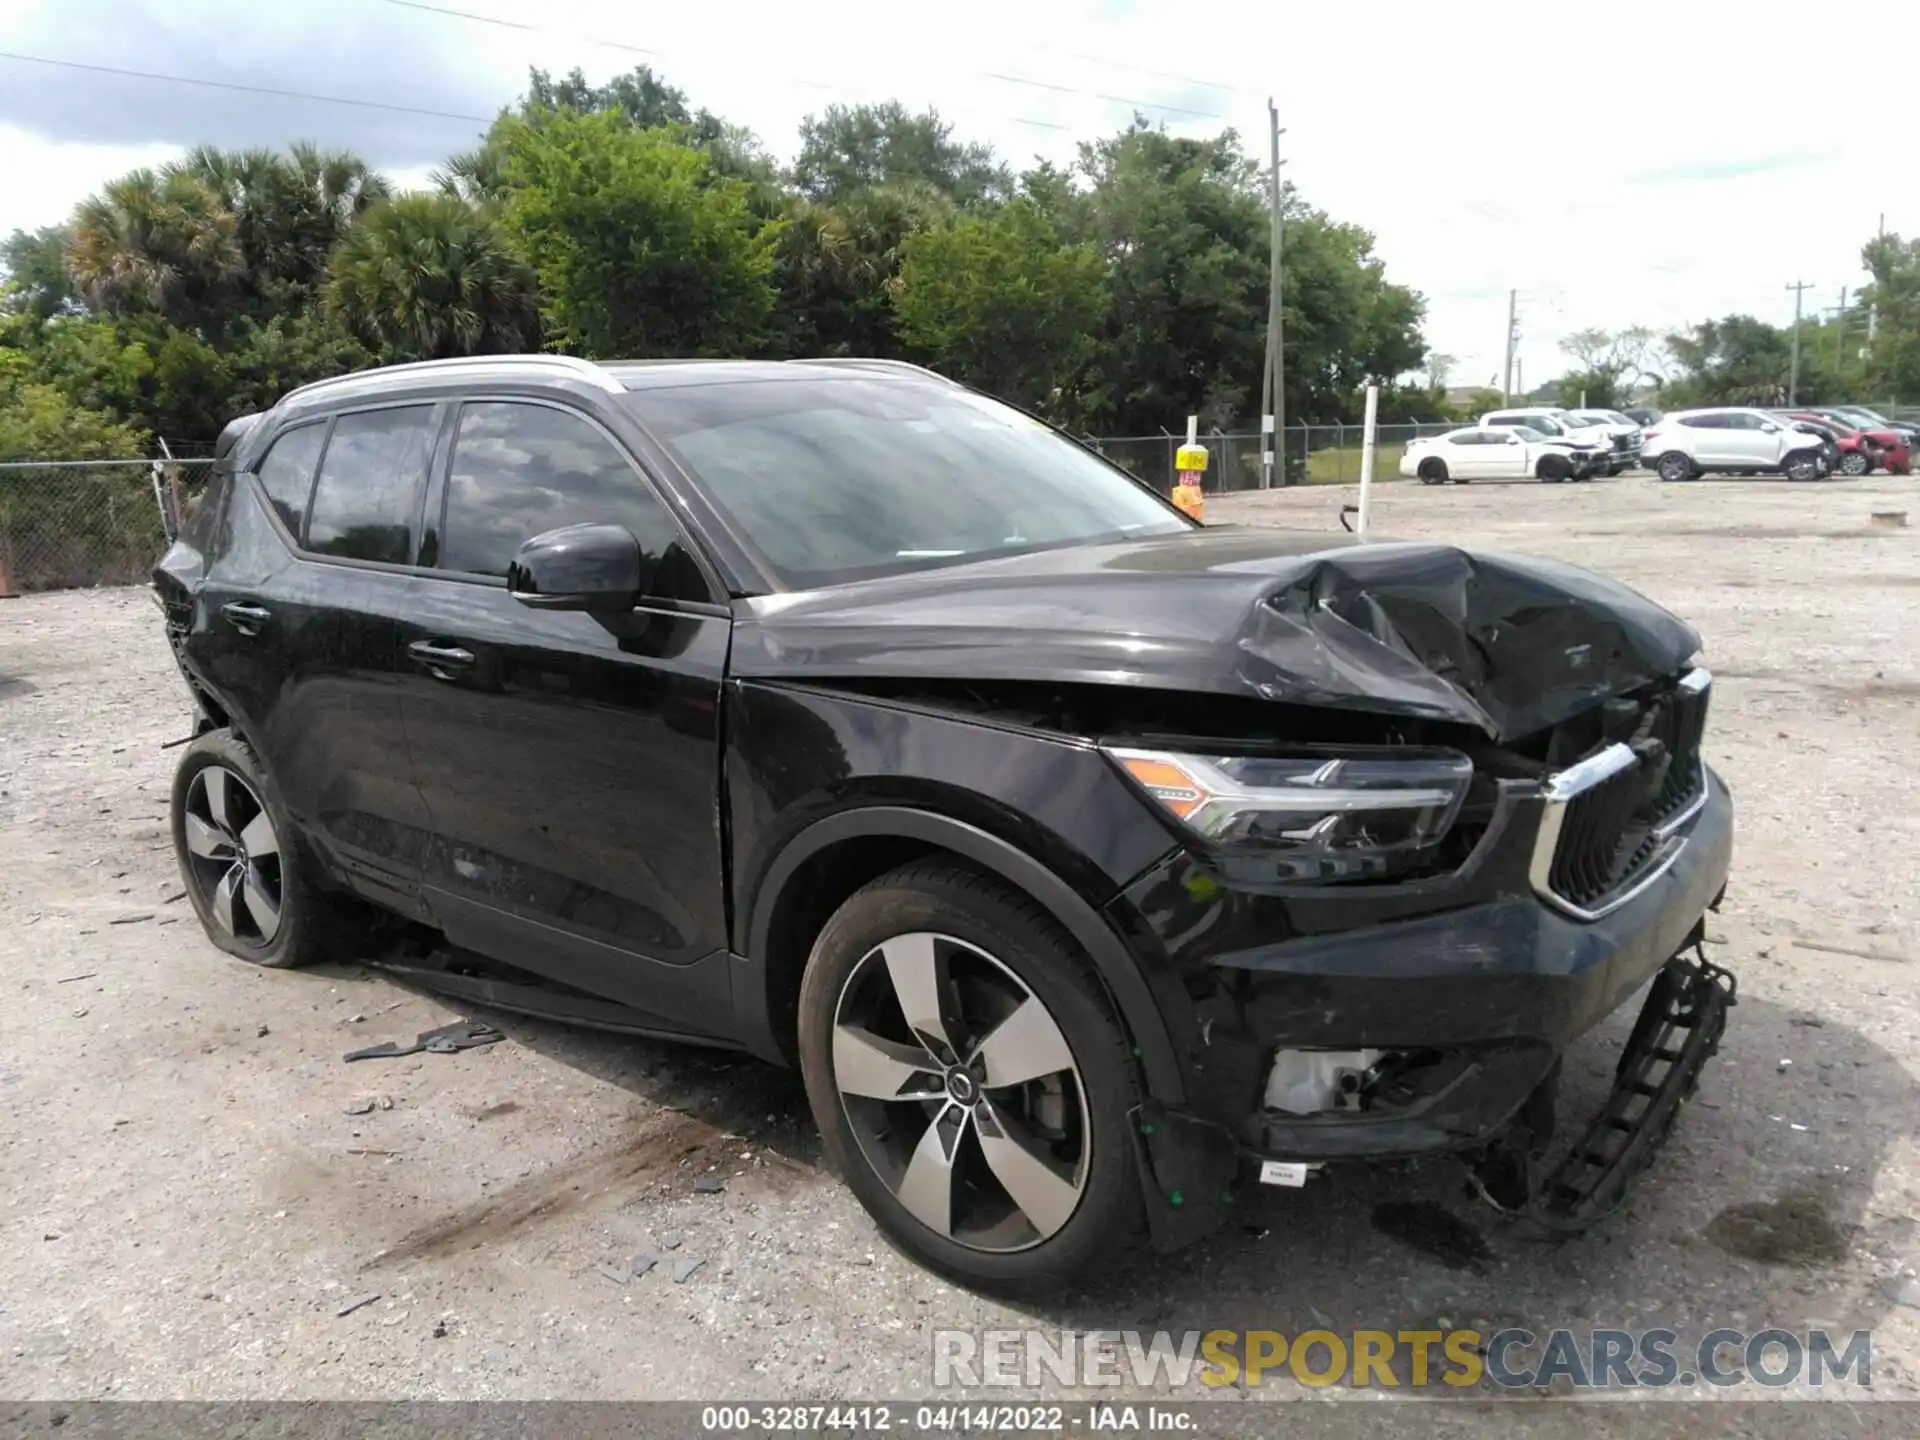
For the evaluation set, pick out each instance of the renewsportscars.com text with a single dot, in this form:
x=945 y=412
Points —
x=1512 y=1358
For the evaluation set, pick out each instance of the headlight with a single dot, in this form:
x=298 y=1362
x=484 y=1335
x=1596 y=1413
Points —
x=1316 y=815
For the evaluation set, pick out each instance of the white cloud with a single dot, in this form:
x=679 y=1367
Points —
x=1651 y=164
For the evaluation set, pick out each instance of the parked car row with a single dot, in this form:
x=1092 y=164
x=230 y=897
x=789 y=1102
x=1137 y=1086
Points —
x=1539 y=442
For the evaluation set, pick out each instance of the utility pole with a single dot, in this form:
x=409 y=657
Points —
x=1840 y=341
x=1273 y=405
x=1793 y=374
x=1513 y=334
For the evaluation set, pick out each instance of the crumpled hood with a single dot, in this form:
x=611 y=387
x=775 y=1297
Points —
x=1507 y=643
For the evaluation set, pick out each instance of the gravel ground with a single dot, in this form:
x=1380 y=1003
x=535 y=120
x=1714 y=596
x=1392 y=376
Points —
x=188 y=1202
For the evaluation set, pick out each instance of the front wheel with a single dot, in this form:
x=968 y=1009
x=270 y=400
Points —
x=1673 y=467
x=1432 y=471
x=1553 y=469
x=1803 y=465
x=970 y=1083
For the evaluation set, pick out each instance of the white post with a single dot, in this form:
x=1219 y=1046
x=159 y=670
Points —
x=1193 y=429
x=1366 y=460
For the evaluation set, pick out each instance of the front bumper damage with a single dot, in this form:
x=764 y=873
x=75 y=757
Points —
x=1488 y=997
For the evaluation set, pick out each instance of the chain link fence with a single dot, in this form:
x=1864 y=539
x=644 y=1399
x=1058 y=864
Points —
x=1314 y=455
x=90 y=522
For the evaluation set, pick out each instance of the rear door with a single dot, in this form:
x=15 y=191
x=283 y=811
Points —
x=1752 y=440
x=570 y=760
x=1711 y=439
x=300 y=609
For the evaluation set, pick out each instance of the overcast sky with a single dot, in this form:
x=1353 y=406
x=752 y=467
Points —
x=1652 y=165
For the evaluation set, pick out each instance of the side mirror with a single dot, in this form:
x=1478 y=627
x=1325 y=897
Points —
x=1513 y=439
x=581 y=567
x=1771 y=429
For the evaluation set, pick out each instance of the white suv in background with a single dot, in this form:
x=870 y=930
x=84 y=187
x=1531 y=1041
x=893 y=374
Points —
x=1732 y=440
x=1554 y=421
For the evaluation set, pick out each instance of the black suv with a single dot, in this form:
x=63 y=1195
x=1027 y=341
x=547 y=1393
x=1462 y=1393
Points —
x=1087 y=861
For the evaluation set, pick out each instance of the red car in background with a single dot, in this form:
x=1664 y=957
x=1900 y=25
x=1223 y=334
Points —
x=1861 y=451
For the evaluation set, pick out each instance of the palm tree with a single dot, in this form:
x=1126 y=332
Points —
x=289 y=210
x=477 y=176
x=162 y=242
x=425 y=276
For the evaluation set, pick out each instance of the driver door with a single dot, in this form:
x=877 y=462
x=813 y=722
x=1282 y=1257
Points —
x=569 y=759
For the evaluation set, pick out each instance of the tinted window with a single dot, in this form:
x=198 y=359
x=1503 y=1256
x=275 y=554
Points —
x=369 y=486
x=1465 y=437
x=286 y=473
x=1703 y=422
x=519 y=470
x=834 y=479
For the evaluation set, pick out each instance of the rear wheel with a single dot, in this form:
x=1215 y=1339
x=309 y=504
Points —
x=240 y=865
x=969 y=1081
x=1673 y=466
x=1432 y=471
x=1553 y=469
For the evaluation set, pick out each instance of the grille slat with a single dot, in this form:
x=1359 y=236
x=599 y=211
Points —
x=1610 y=832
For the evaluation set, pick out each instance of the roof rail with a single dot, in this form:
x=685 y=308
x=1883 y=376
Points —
x=874 y=362
x=572 y=364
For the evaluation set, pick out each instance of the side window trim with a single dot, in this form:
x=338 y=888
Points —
x=620 y=448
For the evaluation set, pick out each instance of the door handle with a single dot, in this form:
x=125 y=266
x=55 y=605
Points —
x=245 y=618
x=440 y=661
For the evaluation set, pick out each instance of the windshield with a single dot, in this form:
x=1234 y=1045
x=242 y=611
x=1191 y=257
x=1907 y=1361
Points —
x=844 y=478
x=1871 y=416
x=1542 y=425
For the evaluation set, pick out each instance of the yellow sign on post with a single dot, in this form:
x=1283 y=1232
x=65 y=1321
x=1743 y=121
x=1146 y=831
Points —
x=1191 y=461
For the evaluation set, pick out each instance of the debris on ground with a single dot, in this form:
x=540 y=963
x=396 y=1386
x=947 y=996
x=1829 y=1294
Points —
x=263 y=1032
x=440 y=1329
x=69 y=979
x=360 y=1107
x=1793 y=1230
x=461 y=1035
x=709 y=1185
x=617 y=1274
x=1857 y=954
x=671 y=1240
x=683 y=1269
x=359 y=1302
x=131 y=919
x=641 y=1264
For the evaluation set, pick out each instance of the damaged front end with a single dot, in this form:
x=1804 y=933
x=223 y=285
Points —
x=1433 y=815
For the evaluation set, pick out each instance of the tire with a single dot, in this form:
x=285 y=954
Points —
x=1673 y=466
x=1855 y=463
x=1432 y=471
x=242 y=870
x=995 y=946
x=1802 y=465
x=1554 y=469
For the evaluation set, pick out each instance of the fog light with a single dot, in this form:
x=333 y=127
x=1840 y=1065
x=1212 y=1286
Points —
x=1317 y=1082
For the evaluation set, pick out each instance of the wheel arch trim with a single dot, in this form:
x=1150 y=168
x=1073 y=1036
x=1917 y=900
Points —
x=1119 y=972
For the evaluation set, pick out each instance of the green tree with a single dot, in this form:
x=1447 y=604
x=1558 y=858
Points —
x=1735 y=360
x=997 y=301
x=159 y=243
x=289 y=211
x=834 y=262
x=850 y=148
x=426 y=276
x=1893 y=359
x=640 y=248
x=39 y=422
x=35 y=265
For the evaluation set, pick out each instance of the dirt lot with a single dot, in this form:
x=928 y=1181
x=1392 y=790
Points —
x=187 y=1202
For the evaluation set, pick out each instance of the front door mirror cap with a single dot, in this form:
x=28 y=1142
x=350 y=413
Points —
x=581 y=567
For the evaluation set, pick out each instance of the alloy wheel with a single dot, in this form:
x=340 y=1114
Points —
x=1674 y=467
x=1854 y=463
x=233 y=855
x=962 y=1093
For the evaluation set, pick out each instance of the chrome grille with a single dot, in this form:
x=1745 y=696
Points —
x=1611 y=822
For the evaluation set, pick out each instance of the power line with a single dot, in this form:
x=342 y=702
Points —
x=1095 y=94
x=242 y=89
x=523 y=25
